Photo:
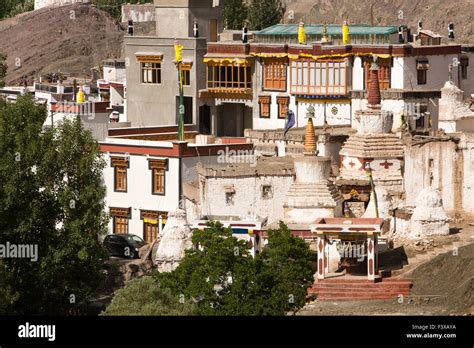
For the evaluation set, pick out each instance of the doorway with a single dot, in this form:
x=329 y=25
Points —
x=213 y=30
x=205 y=123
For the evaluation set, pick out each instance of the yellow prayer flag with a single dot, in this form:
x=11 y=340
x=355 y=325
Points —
x=178 y=52
x=346 y=35
x=80 y=97
x=301 y=35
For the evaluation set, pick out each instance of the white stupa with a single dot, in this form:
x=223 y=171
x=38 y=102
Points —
x=174 y=240
x=384 y=204
x=429 y=217
x=312 y=195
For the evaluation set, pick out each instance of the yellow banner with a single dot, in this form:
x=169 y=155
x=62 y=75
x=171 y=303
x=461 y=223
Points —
x=306 y=55
x=270 y=55
x=226 y=60
x=150 y=221
x=153 y=221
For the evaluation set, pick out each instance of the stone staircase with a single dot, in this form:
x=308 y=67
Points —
x=359 y=288
x=389 y=284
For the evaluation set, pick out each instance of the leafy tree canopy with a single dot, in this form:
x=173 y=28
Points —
x=52 y=197
x=264 y=13
x=235 y=14
x=3 y=69
x=225 y=279
x=146 y=297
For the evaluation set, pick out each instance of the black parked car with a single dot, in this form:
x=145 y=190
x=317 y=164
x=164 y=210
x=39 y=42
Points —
x=123 y=245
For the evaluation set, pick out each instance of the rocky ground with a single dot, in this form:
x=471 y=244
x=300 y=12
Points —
x=70 y=39
x=443 y=283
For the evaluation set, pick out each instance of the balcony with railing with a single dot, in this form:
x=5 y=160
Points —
x=228 y=80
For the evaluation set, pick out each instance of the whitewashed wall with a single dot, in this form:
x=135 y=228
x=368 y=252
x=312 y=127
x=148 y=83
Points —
x=468 y=184
x=437 y=74
x=45 y=3
x=248 y=196
x=358 y=75
x=139 y=190
x=417 y=173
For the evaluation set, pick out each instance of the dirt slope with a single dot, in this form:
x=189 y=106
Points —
x=71 y=39
x=436 y=14
x=448 y=275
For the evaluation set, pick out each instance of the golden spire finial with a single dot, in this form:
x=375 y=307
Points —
x=310 y=138
x=325 y=37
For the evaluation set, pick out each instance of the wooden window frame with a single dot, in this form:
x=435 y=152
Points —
x=265 y=103
x=153 y=68
x=422 y=66
x=421 y=76
x=152 y=215
x=310 y=68
x=158 y=165
x=275 y=75
x=384 y=72
x=121 y=217
x=120 y=165
x=186 y=69
x=283 y=103
x=218 y=81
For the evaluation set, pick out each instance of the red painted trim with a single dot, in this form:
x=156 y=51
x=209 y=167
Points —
x=149 y=130
x=361 y=229
x=139 y=150
x=328 y=229
x=178 y=150
x=317 y=49
x=234 y=48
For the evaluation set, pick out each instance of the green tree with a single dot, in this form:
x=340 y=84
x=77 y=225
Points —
x=7 y=294
x=10 y=8
x=3 y=69
x=235 y=14
x=226 y=280
x=144 y=296
x=264 y=13
x=51 y=196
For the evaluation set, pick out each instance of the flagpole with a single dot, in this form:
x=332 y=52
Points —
x=181 y=105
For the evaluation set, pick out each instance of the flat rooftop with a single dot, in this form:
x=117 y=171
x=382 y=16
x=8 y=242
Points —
x=250 y=166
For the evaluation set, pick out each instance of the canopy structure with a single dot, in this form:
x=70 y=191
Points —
x=288 y=33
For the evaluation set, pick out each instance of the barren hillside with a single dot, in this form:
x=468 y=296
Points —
x=436 y=14
x=71 y=39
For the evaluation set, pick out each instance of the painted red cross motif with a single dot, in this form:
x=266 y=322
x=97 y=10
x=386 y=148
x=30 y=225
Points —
x=352 y=164
x=386 y=164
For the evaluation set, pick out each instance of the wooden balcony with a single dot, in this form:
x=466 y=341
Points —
x=226 y=93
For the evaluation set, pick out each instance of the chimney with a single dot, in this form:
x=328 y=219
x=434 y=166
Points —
x=401 y=39
x=451 y=31
x=196 y=29
x=245 y=35
x=420 y=26
x=374 y=97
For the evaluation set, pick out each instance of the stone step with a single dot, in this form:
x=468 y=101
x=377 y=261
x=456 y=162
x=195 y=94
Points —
x=357 y=298
x=363 y=281
x=360 y=294
x=355 y=293
x=360 y=288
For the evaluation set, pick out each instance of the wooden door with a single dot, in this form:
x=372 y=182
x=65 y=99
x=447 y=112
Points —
x=151 y=232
